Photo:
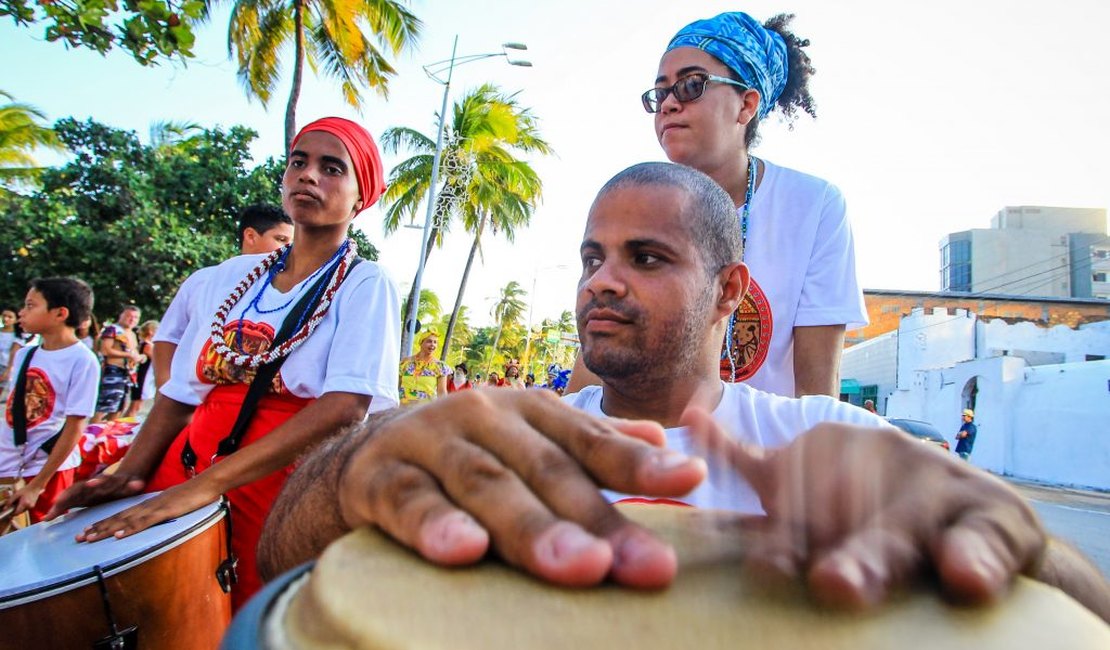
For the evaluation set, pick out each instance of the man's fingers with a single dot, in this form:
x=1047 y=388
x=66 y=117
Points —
x=752 y=462
x=979 y=555
x=409 y=505
x=860 y=571
x=524 y=530
x=611 y=459
x=649 y=432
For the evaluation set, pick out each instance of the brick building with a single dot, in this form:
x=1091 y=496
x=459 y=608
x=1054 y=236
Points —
x=885 y=309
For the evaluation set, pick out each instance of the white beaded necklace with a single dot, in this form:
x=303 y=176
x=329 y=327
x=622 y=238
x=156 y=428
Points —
x=219 y=344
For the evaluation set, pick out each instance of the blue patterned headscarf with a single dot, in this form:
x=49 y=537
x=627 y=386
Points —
x=755 y=53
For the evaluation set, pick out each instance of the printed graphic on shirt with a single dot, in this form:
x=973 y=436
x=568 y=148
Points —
x=255 y=338
x=751 y=336
x=40 y=399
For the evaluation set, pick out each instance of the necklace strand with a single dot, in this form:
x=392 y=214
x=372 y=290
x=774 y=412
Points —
x=744 y=249
x=305 y=327
x=279 y=266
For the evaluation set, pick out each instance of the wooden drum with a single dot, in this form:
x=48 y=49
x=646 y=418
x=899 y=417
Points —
x=163 y=582
x=367 y=592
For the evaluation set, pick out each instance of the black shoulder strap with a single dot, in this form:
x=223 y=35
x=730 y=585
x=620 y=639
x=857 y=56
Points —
x=19 y=400
x=265 y=374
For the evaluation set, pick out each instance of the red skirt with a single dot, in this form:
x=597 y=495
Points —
x=250 y=503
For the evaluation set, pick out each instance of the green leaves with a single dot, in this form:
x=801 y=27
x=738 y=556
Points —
x=150 y=30
x=132 y=219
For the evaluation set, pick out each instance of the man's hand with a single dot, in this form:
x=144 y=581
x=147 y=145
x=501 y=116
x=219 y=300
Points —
x=520 y=471
x=99 y=489
x=858 y=512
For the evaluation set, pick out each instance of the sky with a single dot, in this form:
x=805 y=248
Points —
x=932 y=116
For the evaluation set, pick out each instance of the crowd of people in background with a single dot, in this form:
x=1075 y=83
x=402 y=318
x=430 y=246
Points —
x=423 y=377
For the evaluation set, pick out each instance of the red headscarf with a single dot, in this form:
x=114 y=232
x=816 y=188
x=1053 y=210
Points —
x=362 y=150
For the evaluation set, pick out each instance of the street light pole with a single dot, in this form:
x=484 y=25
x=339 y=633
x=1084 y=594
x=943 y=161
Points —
x=531 y=305
x=432 y=69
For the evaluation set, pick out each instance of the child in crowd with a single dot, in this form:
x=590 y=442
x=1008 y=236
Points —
x=88 y=331
x=7 y=337
x=143 y=388
x=52 y=395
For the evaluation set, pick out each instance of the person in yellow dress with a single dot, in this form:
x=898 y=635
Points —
x=423 y=376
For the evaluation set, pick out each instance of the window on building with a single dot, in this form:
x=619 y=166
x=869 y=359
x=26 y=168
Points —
x=1098 y=277
x=1096 y=357
x=956 y=270
x=1100 y=254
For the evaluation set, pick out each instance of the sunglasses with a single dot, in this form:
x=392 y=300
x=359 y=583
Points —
x=686 y=89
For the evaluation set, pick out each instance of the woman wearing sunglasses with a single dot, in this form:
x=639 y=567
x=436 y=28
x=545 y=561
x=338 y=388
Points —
x=718 y=79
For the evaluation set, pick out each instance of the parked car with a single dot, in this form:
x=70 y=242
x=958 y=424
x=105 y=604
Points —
x=923 y=431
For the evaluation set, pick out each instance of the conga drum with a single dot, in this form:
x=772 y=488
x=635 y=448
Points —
x=162 y=588
x=367 y=592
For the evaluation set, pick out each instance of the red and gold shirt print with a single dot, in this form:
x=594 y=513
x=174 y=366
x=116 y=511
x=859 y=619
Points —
x=40 y=399
x=751 y=336
x=256 y=339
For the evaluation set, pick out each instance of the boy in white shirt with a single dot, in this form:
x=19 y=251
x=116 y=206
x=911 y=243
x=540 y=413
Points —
x=38 y=442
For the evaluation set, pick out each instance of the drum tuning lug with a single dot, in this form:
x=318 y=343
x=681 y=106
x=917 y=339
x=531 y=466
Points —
x=125 y=639
x=226 y=573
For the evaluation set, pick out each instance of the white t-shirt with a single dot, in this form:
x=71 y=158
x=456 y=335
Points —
x=173 y=322
x=6 y=340
x=753 y=417
x=60 y=383
x=801 y=254
x=354 y=349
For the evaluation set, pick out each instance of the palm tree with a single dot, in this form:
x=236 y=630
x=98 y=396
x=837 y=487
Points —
x=481 y=179
x=328 y=35
x=461 y=336
x=503 y=198
x=20 y=135
x=166 y=135
x=429 y=310
x=507 y=312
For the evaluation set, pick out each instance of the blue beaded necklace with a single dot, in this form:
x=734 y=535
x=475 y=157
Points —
x=278 y=267
x=747 y=204
x=744 y=243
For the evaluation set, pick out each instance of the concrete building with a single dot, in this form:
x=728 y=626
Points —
x=1041 y=394
x=1031 y=251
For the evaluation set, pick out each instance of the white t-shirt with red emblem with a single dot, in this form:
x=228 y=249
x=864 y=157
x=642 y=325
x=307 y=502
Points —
x=802 y=260
x=60 y=383
x=354 y=349
x=751 y=416
x=173 y=322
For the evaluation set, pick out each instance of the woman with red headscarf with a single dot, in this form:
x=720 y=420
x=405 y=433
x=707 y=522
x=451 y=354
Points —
x=326 y=320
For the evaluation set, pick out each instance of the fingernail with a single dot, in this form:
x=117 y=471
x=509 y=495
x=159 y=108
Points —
x=633 y=551
x=985 y=563
x=857 y=579
x=453 y=529
x=668 y=460
x=566 y=542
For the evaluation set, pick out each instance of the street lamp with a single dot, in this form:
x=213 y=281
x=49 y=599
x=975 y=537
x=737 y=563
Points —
x=434 y=70
x=531 y=304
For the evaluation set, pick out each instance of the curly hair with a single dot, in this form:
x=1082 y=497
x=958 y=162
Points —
x=796 y=94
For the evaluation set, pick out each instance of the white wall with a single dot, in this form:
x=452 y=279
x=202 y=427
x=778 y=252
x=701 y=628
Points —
x=998 y=336
x=873 y=362
x=1062 y=425
x=1047 y=422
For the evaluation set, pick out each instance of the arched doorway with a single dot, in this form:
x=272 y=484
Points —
x=970 y=393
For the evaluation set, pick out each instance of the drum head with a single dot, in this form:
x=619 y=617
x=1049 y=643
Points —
x=43 y=559
x=368 y=592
